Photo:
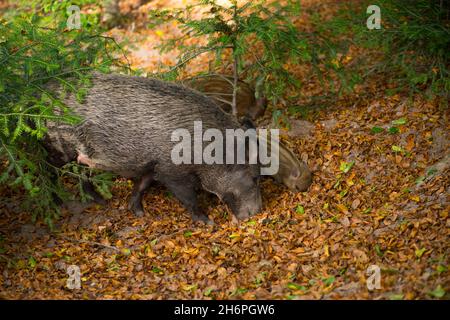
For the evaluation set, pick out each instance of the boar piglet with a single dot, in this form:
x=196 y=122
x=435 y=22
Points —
x=292 y=172
x=220 y=88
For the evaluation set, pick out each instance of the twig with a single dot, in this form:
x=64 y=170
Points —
x=235 y=84
x=94 y=243
x=6 y=258
x=235 y=69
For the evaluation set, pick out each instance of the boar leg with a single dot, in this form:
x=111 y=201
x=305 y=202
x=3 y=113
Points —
x=185 y=192
x=140 y=185
x=89 y=188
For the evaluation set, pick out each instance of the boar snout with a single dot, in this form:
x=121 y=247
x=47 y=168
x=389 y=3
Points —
x=249 y=208
x=244 y=203
x=304 y=180
x=248 y=211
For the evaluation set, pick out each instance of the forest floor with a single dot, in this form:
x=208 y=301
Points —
x=379 y=198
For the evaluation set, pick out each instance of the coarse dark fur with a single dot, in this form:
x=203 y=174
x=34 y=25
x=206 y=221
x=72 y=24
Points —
x=127 y=127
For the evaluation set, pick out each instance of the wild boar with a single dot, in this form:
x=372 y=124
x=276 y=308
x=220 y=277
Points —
x=127 y=129
x=292 y=172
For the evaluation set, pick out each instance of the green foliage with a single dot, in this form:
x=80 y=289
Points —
x=259 y=36
x=300 y=209
x=36 y=47
x=439 y=292
x=411 y=49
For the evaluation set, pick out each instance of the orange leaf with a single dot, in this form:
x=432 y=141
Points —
x=342 y=208
x=410 y=143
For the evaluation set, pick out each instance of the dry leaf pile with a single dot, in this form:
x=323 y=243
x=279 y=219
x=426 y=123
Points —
x=376 y=199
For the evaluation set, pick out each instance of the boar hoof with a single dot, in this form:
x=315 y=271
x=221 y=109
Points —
x=200 y=218
x=137 y=210
x=138 y=213
x=100 y=201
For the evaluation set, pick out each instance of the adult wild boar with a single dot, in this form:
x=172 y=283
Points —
x=127 y=128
